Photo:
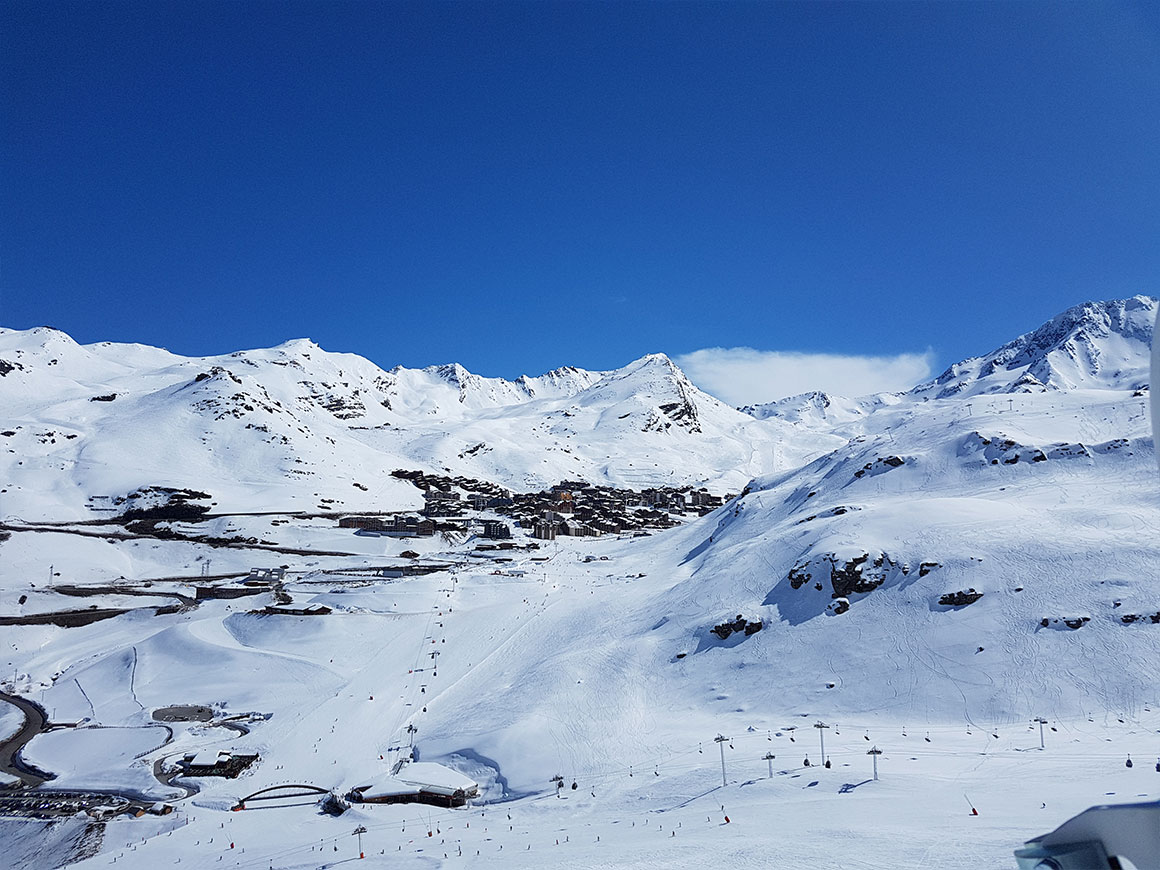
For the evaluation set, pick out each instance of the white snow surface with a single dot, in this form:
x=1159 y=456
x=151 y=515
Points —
x=288 y=426
x=605 y=672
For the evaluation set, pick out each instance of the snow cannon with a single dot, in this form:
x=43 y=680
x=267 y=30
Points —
x=1098 y=837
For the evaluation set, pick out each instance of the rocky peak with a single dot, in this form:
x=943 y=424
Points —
x=1094 y=345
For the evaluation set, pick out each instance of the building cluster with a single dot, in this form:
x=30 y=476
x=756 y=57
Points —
x=391 y=525
x=570 y=508
x=215 y=762
x=580 y=509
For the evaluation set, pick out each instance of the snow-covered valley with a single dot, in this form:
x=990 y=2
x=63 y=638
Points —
x=927 y=573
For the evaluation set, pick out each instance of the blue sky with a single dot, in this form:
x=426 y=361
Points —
x=522 y=186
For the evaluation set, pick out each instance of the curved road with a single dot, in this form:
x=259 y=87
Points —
x=34 y=723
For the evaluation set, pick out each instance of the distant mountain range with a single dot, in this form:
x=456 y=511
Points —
x=303 y=424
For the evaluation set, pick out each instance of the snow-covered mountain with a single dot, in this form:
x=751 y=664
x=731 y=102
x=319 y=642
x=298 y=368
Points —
x=451 y=391
x=818 y=410
x=922 y=572
x=304 y=427
x=1096 y=345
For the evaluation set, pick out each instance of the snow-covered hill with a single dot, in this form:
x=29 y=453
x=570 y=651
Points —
x=925 y=572
x=822 y=411
x=303 y=428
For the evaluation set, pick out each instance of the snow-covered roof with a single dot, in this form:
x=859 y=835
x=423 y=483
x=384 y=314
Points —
x=386 y=786
x=208 y=757
x=435 y=778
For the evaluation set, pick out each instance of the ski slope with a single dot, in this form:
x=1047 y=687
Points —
x=929 y=574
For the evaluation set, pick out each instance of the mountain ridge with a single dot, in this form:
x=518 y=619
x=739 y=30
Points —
x=1076 y=349
x=317 y=424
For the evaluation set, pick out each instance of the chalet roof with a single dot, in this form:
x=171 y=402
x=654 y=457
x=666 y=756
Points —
x=435 y=777
x=207 y=758
x=386 y=786
x=419 y=776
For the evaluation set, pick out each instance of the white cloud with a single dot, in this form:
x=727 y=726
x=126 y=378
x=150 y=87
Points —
x=744 y=376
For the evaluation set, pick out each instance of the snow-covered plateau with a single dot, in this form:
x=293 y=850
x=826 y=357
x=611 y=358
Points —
x=962 y=576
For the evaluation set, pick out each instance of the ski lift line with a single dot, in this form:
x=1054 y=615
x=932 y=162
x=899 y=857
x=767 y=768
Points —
x=853 y=755
x=403 y=713
x=439 y=817
x=667 y=762
x=429 y=819
x=419 y=654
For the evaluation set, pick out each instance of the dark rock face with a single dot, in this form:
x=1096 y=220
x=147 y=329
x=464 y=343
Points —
x=1129 y=618
x=880 y=465
x=846 y=578
x=157 y=503
x=683 y=413
x=961 y=598
x=1070 y=622
x=799 y=576
x=1001 y=450
x=840 y=606
x=740 y=624
x=106 y=398
x=852 y=577
x=862 y=574
x=832 y=512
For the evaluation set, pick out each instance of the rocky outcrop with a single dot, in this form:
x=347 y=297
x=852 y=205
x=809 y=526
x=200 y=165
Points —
x=832 y=512
x=879 y=466
x=1060 y=622
x=1129 y=618
x=960 y=599
x=998 y=449
x=838 y=606
x=737 y=626
x=157 y=503
x=859 y=575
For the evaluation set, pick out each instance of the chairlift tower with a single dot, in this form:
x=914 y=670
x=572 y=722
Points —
x=1041 y=722
x=768 y=758
x=874 y=752
x=721 y=740
x=822 y=726
x=358 y=832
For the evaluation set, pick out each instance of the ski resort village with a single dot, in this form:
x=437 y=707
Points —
x=284 y=609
